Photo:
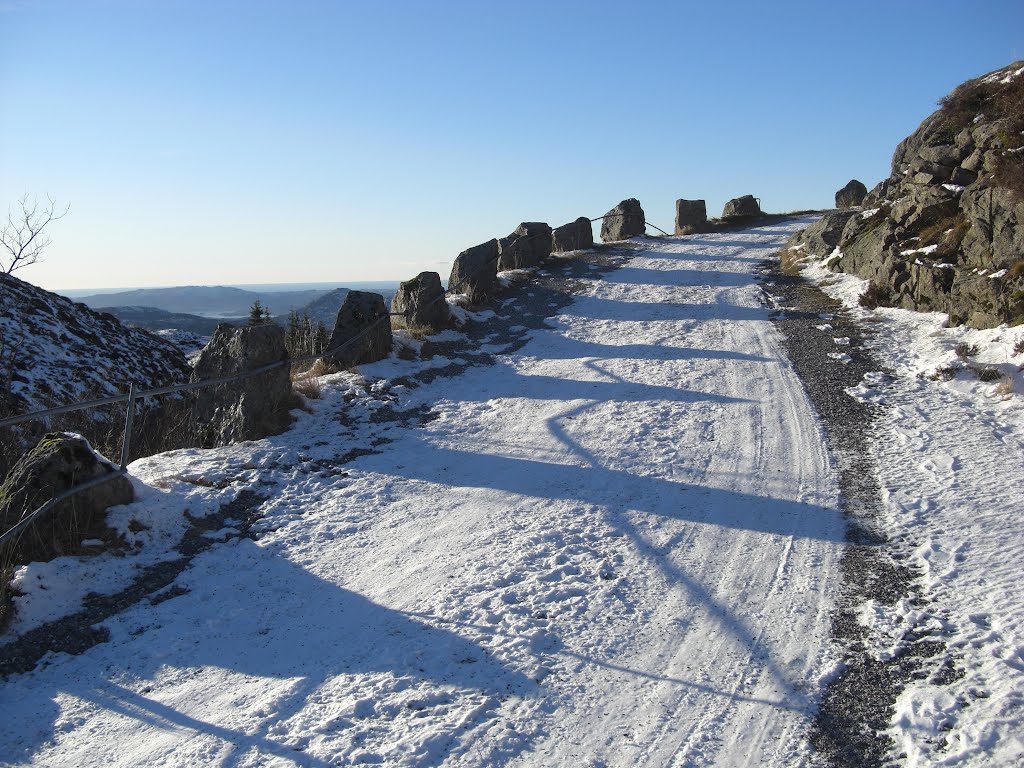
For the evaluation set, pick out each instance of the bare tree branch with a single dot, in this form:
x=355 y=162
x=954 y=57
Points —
x=23 y=237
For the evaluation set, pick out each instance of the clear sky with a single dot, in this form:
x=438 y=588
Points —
x=206 y=141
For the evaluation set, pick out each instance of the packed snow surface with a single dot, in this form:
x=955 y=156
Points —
x=618 y=545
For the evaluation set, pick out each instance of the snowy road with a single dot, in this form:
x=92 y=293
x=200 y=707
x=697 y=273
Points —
x=616 y=546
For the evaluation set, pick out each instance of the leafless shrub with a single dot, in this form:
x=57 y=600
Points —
x=964 y=350
x=988 y=374
x=946 y=372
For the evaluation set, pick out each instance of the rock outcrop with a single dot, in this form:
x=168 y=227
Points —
x=58 y=463
x=250 y=407
x=421 y=303
x=944 y=231
x=741 y=208
x=527 y=246
x=475 y=272
x=851 y=195
x=362 y=331
x=574 y=236
x=691 y=217
x=624 y=221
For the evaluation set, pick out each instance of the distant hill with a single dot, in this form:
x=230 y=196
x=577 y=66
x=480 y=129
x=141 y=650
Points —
x=217 y=301
x=324 y=309
x=153 y=319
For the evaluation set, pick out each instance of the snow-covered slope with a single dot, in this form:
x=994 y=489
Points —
x=58 y=352
x=614 y=546
x=950 y=448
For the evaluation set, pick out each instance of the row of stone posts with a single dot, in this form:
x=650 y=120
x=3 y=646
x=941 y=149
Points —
x=363 y=329
x=692 y=215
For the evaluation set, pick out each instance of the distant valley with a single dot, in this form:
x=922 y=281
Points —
x=199 y=309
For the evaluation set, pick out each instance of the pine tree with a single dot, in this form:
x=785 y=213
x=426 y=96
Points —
x=258 y=314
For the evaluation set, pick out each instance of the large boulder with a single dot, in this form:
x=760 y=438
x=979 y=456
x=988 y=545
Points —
x=741 y=207
x=421 y=303
x=624 y=221
x=252 y=406
x=475 y=272
x=362 y=332
x=822 y=237
x=574 y=236
x=58 y=463
x=946 y=229
x=527 y=246
x=691 y=217
x=851 y=195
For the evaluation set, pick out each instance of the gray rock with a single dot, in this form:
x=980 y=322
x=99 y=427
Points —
x=362 y=332
x=991 y=134
x=475 y=272
x=940 y=173
x=741 y=207
x=851 y=195
x=691 y=217
x=59 y=462
x=575 y=236
x=877 y=194
x=922 y=207
x=977 y=224
x=822 y=237
x=624 y=221
x=526 y=247
x=962 y=177
x=995 y=237
x=421 y=302
x=250 y=407
x=974 y=161
x=948 y=155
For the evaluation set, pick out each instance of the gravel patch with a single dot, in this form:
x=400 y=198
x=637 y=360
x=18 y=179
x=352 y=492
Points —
x=858 y=704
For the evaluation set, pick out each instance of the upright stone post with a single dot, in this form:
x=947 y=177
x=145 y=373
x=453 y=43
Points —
x=475 y=272
x=362 y=332
x=624 y=221
x=574 y=236
x=691 y=217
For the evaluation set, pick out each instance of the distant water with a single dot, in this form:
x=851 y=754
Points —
x=366 y=285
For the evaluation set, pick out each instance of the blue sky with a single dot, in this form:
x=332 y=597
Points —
x=270 y=141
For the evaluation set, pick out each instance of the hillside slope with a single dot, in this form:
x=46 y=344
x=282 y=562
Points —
x=57 y=352
x=945 y=231
x=616 y=544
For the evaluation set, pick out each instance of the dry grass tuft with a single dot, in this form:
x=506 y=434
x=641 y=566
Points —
x=307 y=386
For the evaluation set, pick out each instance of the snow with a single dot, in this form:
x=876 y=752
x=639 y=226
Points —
x=616 y=545
x=951 y=455
x=926 y=250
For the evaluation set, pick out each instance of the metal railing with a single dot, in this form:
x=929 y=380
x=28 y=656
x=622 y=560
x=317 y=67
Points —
x=132 y=396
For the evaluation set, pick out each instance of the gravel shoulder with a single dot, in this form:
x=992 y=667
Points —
x=827 y=350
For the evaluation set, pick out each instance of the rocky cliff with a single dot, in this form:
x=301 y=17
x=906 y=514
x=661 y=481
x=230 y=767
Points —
x=943 y=232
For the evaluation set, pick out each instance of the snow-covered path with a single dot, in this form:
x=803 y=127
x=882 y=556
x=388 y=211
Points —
x=616 y=546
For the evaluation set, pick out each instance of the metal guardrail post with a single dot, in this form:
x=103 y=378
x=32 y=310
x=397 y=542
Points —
x=126 y=440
